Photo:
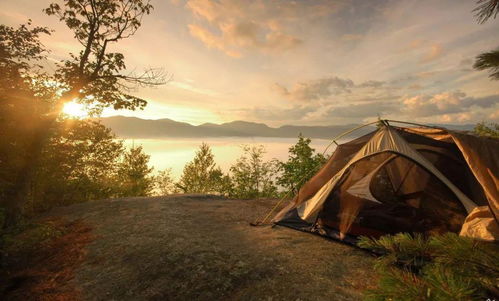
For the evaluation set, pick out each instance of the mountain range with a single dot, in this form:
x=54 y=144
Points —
x=133 y=127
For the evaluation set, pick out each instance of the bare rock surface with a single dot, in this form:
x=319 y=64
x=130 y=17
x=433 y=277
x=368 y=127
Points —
x=201 y=247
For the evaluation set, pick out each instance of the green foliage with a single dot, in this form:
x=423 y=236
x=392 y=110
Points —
x=411 y=251
x=486 y=9
x=251 y=176
x=134 y=173
x=482 y=129
x=165 y=183
x=201 y=175
x=77 y=164
x=29 y=108
x=444 y=267
x=488 y=61
x=23 y=101
x=94 y=75
x=302 y=164
x=20 y=48
x=84 y=161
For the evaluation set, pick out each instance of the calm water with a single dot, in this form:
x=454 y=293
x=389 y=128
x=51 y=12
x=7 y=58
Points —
x=174 y=154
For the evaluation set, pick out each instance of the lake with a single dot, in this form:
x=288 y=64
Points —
x=175 y=153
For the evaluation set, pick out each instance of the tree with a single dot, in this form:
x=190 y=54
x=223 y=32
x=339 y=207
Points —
x=482 y=129
x=165 y=183
x=302 y=164
x=201 y=175
x=24 y=100
x=93 y=76
x=488 y=60
x=251 y=176
x=134 y=174
x=79 y=163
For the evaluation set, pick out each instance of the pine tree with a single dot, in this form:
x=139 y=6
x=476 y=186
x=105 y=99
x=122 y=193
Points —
x=201 y=175
x=134 y=173
x=442 y=267
x=485 y=10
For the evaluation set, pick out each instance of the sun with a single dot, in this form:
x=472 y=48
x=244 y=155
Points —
x=75 y=110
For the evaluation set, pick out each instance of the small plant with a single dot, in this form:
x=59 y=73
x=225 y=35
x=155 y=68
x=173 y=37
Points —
x=252 y=176
x=487 y=130
x=443 y=267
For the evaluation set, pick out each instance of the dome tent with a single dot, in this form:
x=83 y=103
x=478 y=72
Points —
x=396 y=179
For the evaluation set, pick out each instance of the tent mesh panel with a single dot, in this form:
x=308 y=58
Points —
x=388 y=193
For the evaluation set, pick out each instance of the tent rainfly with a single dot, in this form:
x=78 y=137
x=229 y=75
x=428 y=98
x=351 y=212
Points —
x=398 y=179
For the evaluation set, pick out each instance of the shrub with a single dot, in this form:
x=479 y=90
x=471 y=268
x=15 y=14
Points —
x=443 y=267
x=251 y=176
x=302 y=164
x=201 y=175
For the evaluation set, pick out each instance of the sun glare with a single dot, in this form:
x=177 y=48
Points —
x=75 y=110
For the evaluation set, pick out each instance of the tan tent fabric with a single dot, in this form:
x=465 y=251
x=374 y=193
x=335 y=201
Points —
x=437 y=134
x=481 y=224
x=340 y=158
x=482 y=156
x=457 y=159
x=385 y=139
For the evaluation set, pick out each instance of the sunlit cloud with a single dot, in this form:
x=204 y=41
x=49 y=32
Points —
x=309 y=62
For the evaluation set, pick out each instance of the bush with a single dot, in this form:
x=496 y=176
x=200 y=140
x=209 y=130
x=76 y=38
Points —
x=164 y=183
x=491 y=130
x=443 y=267
x=134 y=174
x=303 y=163
x=251 y=176
x=201 y=175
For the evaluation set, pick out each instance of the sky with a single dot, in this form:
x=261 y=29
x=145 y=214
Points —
x=303 y=62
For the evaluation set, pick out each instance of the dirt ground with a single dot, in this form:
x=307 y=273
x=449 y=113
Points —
x=198 y=247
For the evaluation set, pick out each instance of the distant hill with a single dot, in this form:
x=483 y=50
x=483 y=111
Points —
x=132 y=127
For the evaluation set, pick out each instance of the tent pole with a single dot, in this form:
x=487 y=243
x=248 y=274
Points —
x=262 y=221
x=346 y=133
x=383 y=121
x=418 y=124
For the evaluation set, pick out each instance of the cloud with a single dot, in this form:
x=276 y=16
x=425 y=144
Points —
x=238 y=26
x=297 y=112
x=372 y=84
x=351 y=37
x=211 y=40
x=316 y=89
x=445 y=103
x=363 y=110
x=427 y=50
x=434 y=53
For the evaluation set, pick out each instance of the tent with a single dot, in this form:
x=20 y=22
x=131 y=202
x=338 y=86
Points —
x=402 y=179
